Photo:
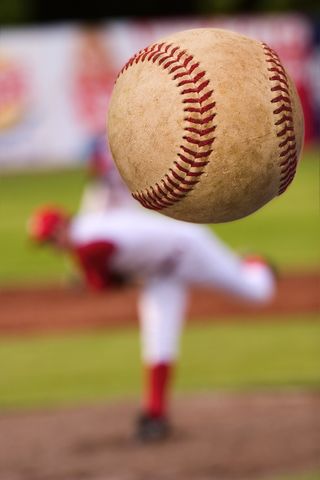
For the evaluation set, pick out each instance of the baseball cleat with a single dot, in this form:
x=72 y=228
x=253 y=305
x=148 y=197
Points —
x=152 y=429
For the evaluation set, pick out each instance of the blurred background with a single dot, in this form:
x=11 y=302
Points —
x=58 y=62
x=57 y=68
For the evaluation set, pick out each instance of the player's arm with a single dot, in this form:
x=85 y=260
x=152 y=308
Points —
x=93 y=260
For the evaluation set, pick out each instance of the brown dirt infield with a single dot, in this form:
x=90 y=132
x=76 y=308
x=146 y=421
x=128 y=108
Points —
x=254 y=436
x=222 y=436
x=41 y=309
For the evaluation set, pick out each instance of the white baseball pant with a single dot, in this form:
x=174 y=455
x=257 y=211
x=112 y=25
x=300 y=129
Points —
x=162 y=303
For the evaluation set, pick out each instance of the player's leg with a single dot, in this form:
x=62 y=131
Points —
x=250 y=279
x=213 y=263
x=162 y=309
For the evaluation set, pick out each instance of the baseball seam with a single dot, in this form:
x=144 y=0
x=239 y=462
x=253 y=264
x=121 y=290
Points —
x=288 y=157
x=197 y=141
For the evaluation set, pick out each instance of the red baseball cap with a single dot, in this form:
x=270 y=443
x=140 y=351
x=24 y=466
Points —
x=44 y=223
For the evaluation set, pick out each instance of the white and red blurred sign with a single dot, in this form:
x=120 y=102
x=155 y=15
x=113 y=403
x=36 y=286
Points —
x=55 y=83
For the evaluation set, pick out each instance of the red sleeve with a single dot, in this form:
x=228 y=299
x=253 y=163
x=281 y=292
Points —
x=93 y=259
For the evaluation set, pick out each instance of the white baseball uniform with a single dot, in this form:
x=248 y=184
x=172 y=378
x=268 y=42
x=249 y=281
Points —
x=168 y=256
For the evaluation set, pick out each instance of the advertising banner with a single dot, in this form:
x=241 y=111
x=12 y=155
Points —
x=55 y=82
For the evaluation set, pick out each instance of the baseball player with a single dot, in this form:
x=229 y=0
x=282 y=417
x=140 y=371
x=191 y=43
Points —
x=166 y=257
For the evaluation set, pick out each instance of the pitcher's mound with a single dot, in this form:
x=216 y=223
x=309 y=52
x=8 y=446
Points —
x=216 y=437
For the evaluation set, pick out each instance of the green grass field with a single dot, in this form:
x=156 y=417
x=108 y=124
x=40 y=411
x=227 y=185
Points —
x=42 y=371
x=47 y=371
x=304 y=476
x=287 y=229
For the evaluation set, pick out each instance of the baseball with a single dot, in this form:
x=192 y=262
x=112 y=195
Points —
x=205 y=126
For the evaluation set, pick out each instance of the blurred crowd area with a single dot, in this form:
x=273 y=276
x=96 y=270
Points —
x=56 y=79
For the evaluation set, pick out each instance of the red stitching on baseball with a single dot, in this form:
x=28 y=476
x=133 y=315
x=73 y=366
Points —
x=280 y=88
x=197 y=89
x=201 y=121
x=156 y=56
x=284 y=185
x=286 y=141
x=278 y=70
x=178 y=191
x=289 y=173
x=281 y=98
x=291 y=148
x=159 y=199
x=183 y=180
x=187 y=170
x=177 y=176
x=195 y=154
x=200 y=110
x=187 y=72
x=280 y=79
x=171 y=181
x=284 y=118
x=288 y=158
x=200 y=143
x=200 y=132
x=198 y=100
x=193 y=163
x=288 y=168
x=289 y=176
x=285 y=130
x=283 y=108
x=273 y=61
x=189 y=165
x=193 y=80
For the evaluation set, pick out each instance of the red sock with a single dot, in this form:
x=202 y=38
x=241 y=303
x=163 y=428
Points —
x=158 y=378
